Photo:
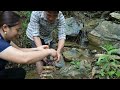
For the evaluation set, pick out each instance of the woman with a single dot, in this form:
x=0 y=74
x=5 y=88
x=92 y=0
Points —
x=9 y=27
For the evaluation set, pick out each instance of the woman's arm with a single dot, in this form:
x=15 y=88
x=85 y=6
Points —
x=30 y=49
x=17 y=56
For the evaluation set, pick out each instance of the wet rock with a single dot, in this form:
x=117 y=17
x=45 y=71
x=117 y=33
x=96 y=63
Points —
x=83 y=39
x=69 y=72
x=73 y=26
x=94 y=51
x=115 y=15
x=106 y=31
x=94 y=40
x=91 y=24
x=72 y=54
x=85 y=69
x=77 y=71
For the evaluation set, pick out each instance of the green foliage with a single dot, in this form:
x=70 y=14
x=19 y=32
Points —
x=108 y=67
x=68 y=13
x=108 y=47
x=76 y=63
x=23 y=41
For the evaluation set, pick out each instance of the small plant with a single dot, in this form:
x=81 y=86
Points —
x=108 y=67
x=76 y=63
x=108 y=47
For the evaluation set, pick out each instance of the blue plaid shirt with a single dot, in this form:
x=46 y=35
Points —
x=39 y=26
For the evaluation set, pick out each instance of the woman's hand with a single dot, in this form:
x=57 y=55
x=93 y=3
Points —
x=43 y=47
x=53 y=53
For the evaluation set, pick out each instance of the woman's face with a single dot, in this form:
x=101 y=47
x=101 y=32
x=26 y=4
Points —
x=13 y=32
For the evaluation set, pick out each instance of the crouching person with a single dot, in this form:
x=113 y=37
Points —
x=10 y=25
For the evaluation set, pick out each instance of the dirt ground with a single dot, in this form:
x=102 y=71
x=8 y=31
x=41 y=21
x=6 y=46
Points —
x=32 y=75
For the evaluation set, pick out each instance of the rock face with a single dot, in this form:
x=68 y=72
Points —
x=115 y=15
x=73 y=26
x=105 y=31
x=76 y=54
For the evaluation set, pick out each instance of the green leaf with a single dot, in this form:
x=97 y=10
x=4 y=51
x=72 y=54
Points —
x=113 y=63
x=111 y=73
x=78 y=63
x=105 y=66
x=102 y=73
x=101 y=58
x=73 y=62
x=107 y=47
x=113 y=51
x=118 y=73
